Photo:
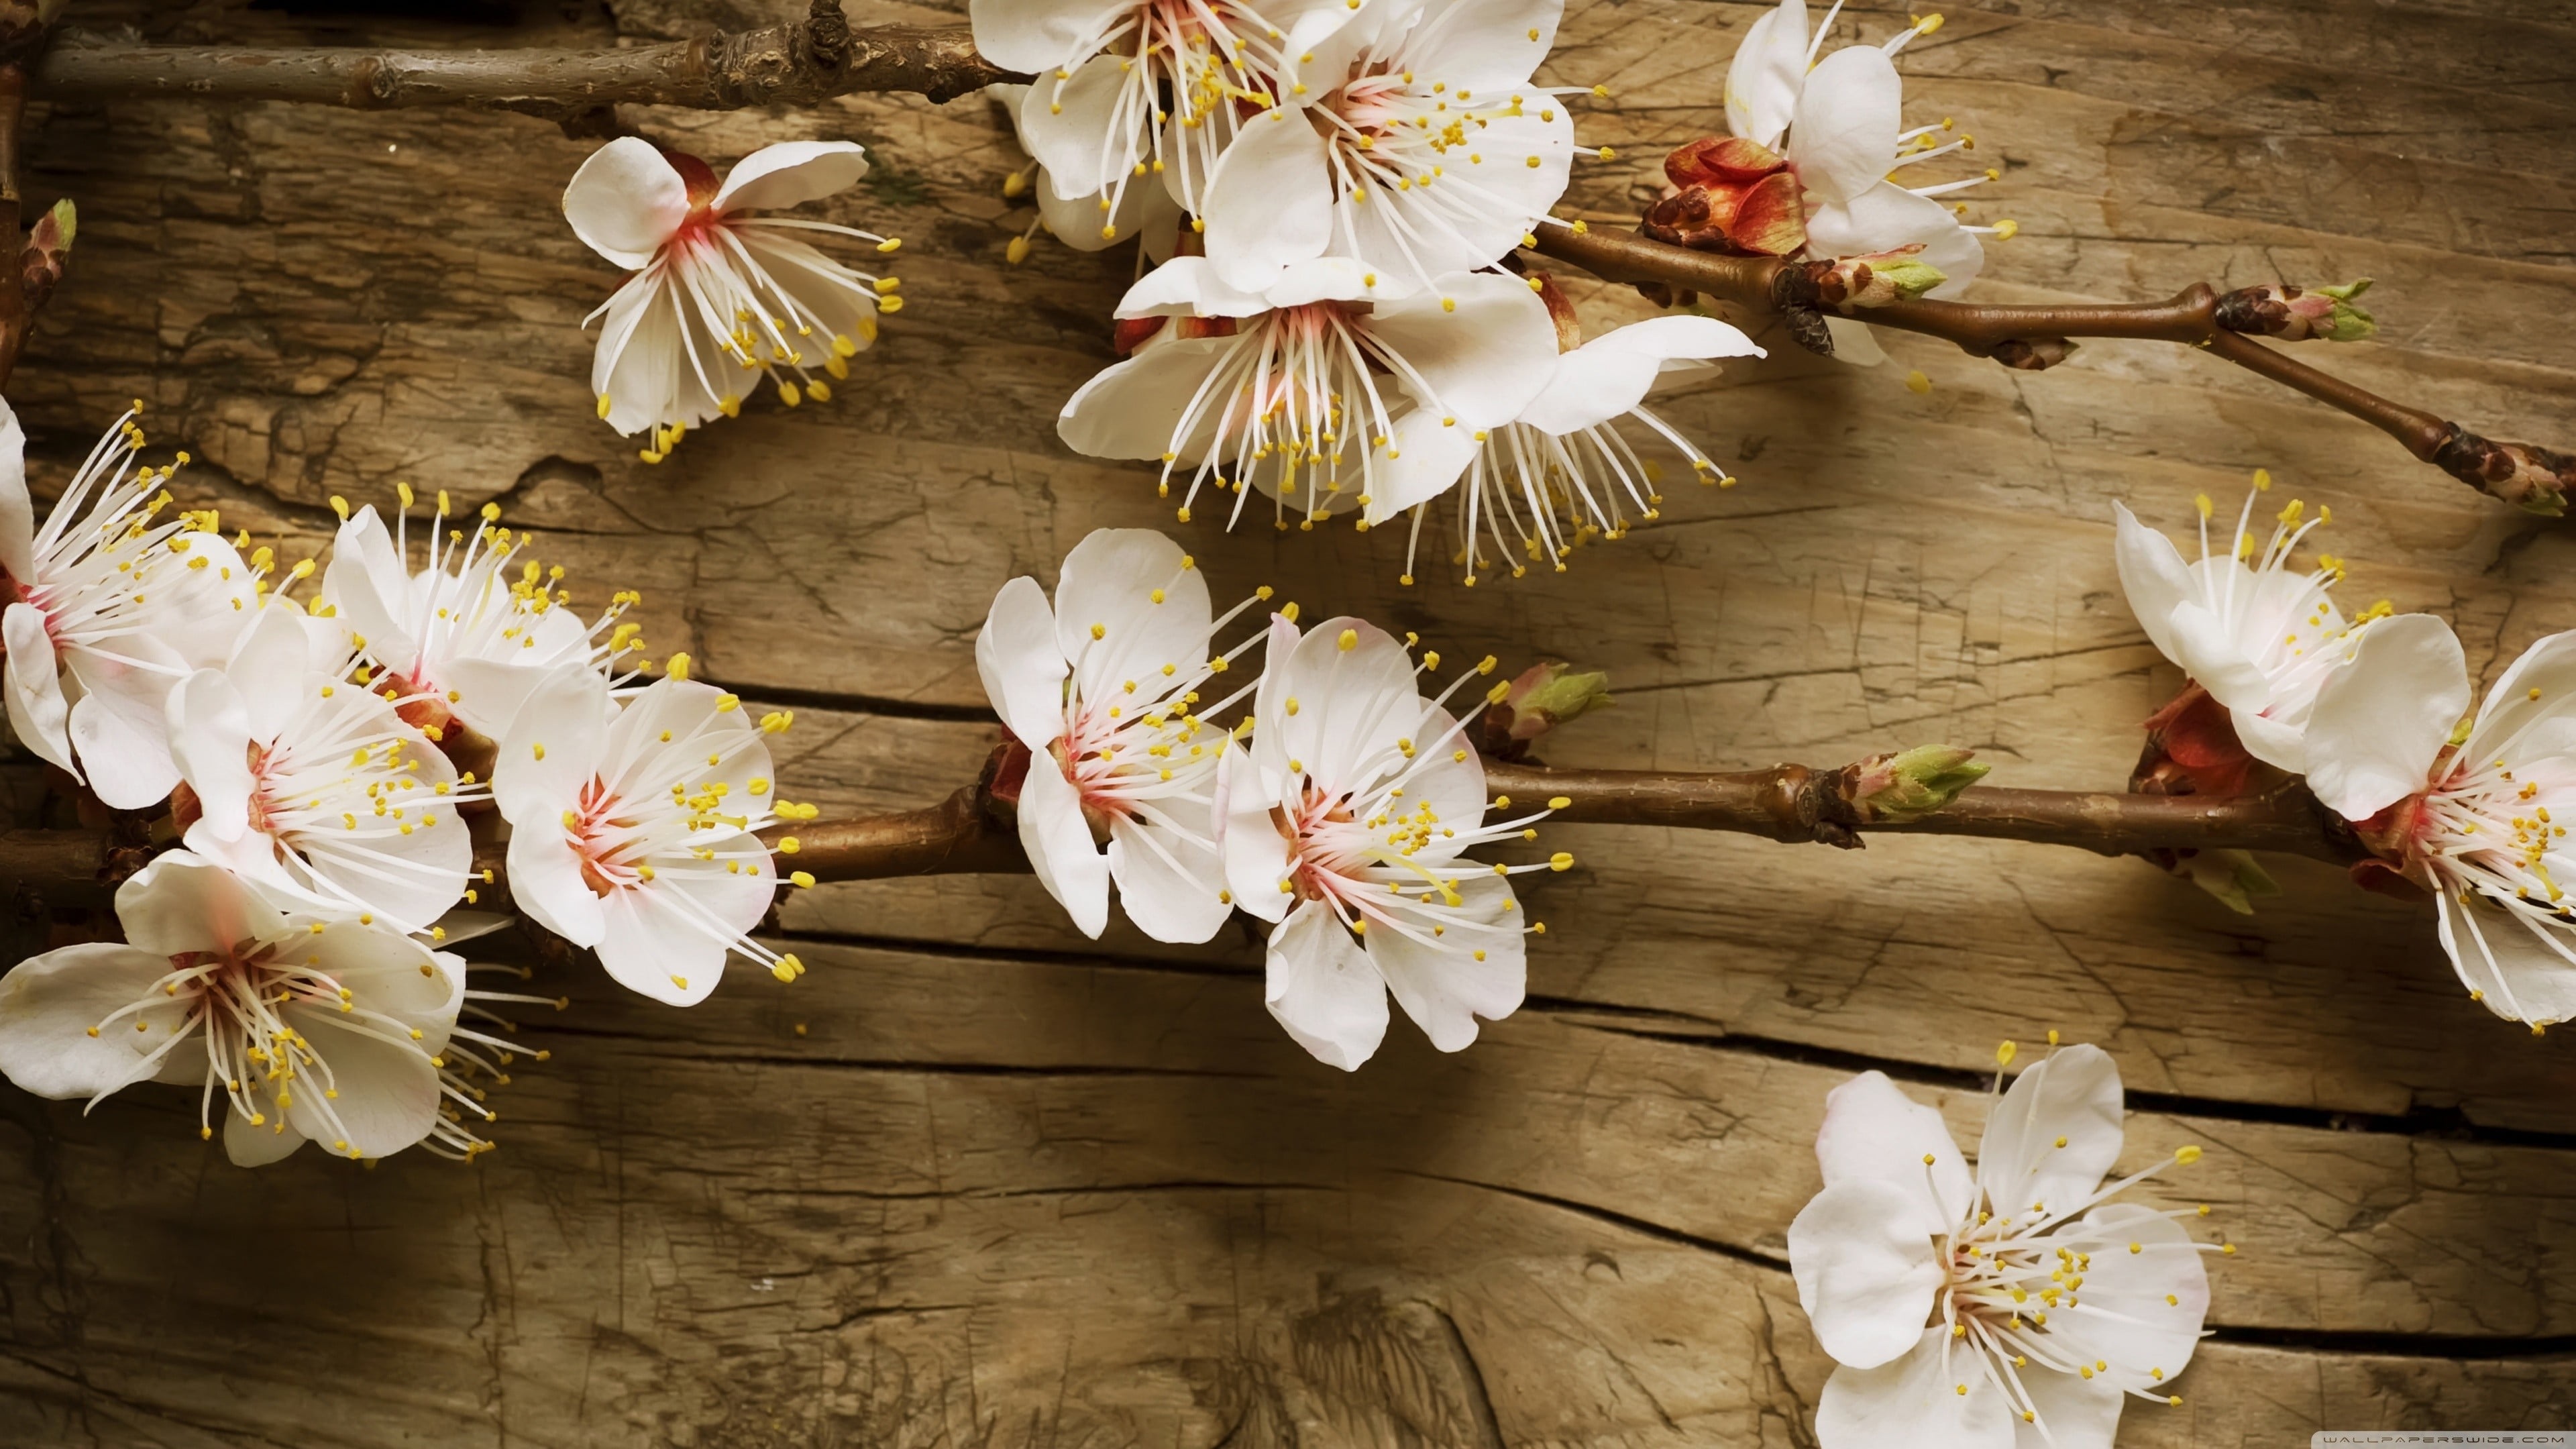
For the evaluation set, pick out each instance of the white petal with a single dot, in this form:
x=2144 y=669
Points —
x=1410 y=234
x=1059 y=845
x=1174 y=893
x=2122 y=1317
x=1256 y=854
x=2519 y=966
x=2536 y=727
x=1865 y=1273
x=1038 y=35
x=1843 y=138
x=1873 y=1132
x=1612 y=373
x=791 y=173
x=489 y=692
x=17 y=510
x=1320 y=279
x=249 y=1146
x=120 y=727
x=1353 y=706
x=669 y=939
x=1440 y=983
x=2079 y=1413
x=1188 y=287
x=1487 y=44
x=182 y=903
x=1323 y=988
x=2054 y=1134
x=1424 y=460
x=1022 y=670
x=1913 y=1402
x=387 y=1091
x=1854 y=342
x=546 y=883
x=210 y=742
x=2381 y=719
x=368 y=585
x=1763 y=79
x=38 y=713
x=2154 y=576
x=553 y=749
x=1107 y=589
x=2278 y=744
x=1886 y=217
x=1481 y=361
x=50 y=1003
x=269 y=666
x=1134 y=410
x=1073 y=127
x=1269 y=201
x=626 y=200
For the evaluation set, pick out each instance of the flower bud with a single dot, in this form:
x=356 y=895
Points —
x=1878 y=279
x=1765 y=217
x=2296 y=314
x=1912 y=784
x=1714 y=160
x=2532 y=478
x=49 y=245
x=2231 y=876
x=1543 y=696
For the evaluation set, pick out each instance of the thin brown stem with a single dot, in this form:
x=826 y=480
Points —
x=16 y=314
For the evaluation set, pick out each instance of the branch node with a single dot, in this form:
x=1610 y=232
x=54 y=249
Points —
x=2532 y=478
x=2033 y=354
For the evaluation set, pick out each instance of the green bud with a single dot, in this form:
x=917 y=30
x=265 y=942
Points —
x=2232 y=876
x=1911 y=276
x=2347 y=322
x=1546 y=695
x=1913 y=783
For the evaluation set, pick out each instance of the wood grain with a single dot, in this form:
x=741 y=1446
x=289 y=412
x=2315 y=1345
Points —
x=1008 y=1186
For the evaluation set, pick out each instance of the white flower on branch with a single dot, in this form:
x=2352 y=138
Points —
x=309 y=783
x=1408 y=136
x=1346 y=823
x=305 y=1026
x=2015 y=1305
x=1103 y=688
x=2256 y=632
x=631 y=827
x=721 y=296
x=106 y=610
x=460 y=640
x=1312 y=390
x=2473 y=812
x=1561 y=473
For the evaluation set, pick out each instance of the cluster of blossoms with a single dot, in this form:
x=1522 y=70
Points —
x=2374 y=712
x=1338 y=809
x=328 y=766
x=1331 y=193
x=2012 y=1303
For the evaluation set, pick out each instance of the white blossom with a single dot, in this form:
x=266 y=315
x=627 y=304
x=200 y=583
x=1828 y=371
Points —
x=721 y=295
x=2015 y=1305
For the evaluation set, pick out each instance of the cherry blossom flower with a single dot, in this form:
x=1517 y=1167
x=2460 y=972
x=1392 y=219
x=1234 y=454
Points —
x=296 y=776
x=2254 y=631
x=1409 y=137
x=1103 y=689
x=1312 y=390
x=2474 y=815
x=721 y=295
x=306 y=1026
x=106 y=610
x=631 y=827
x=1346 y=823
x=2017 y=1304
x=1560 y=473
x=460 y=641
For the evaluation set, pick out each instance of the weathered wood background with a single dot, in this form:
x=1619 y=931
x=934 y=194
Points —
x=978 y=1181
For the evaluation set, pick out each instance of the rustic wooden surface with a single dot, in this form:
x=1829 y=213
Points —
x=978 y=1181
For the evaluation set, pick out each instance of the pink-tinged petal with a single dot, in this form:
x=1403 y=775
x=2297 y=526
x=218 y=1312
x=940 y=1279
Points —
x=1256 y=854
x=1038 y=35
x=17 y=510
x=2382 y=718
x=1612 y=373
x=38 y=713
x=49 y=1005
x=1763 y=80
x=1059 y=845
x=1481 y=360
x=626 y=201
x=791 y=173
x=553 y=749
x=1873 y=1132
x=1439 y=982
x=1865 y=1273
x=210 y=742
x=1913 y=1402
x=546 y=884
x=1073 y=127
x=1854 y=342
x=1022 y=670
x=1843 y=137
x=1109 y=620
x=2054 y=1134
x=1134 y=409
x=273 y=1141
x=1323 y=988
x=1270 y=200
x=386 y=1092
x=182 y=903
x=1171 y=882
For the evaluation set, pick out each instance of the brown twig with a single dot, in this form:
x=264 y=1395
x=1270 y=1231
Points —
x=2033 y=338
x=798 y=64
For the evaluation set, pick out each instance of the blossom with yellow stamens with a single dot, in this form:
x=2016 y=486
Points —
x=722 y=296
